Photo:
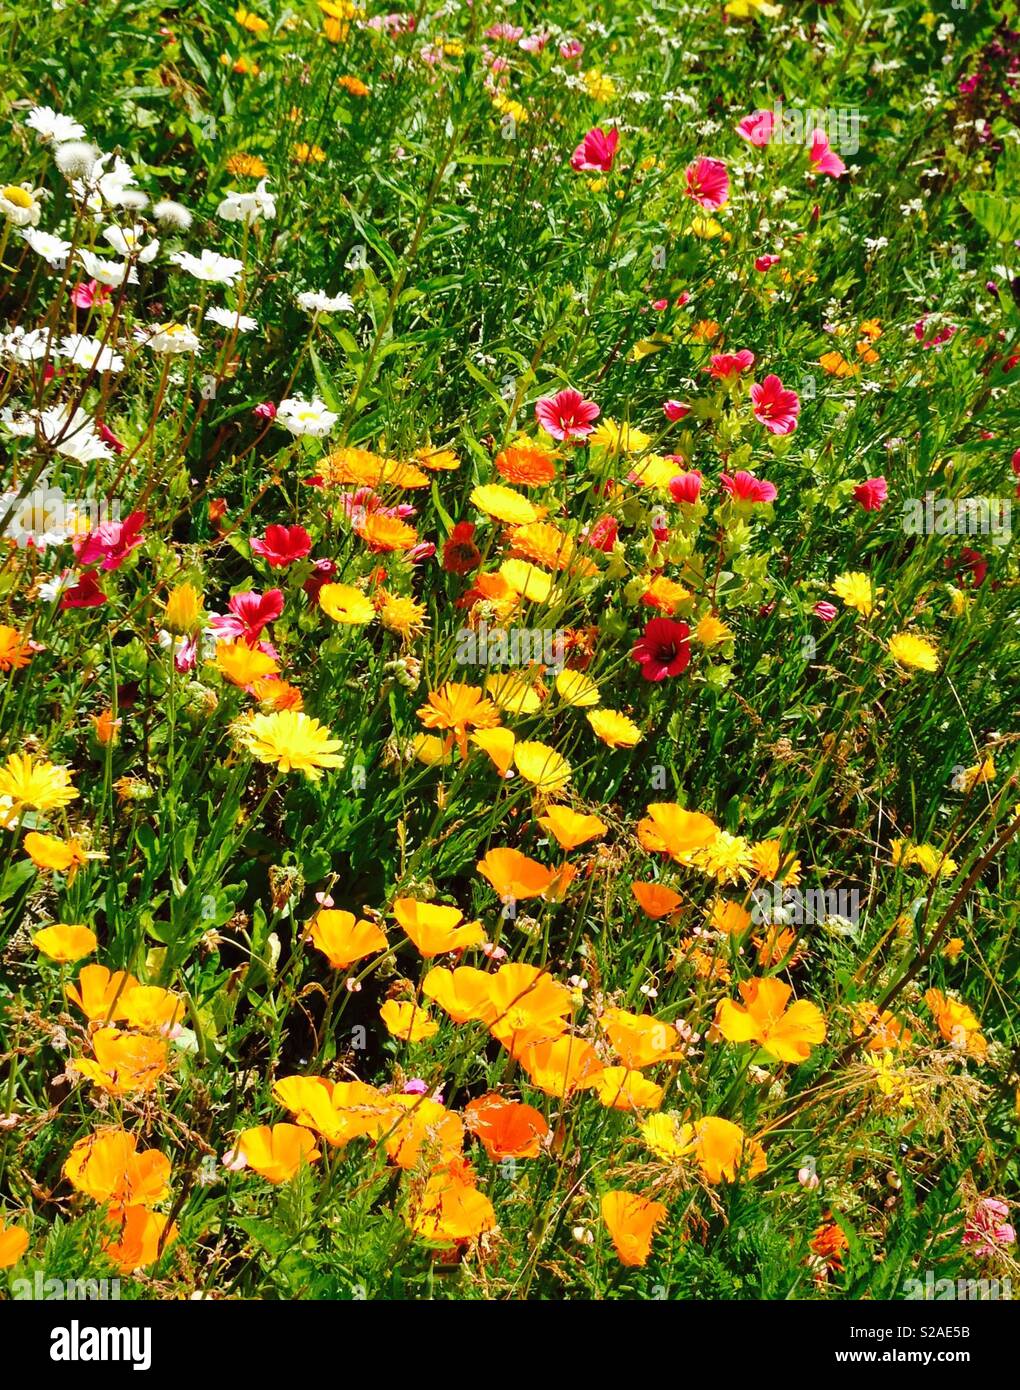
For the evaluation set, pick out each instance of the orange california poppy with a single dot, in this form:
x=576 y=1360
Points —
x=436 y=929
x=639 y=1040
x=631 y=1221
x=506 y=1128
x=787 y=1034
x=464 y=994
x=108 y=1167
x=559 y=1066
x=277 y=1152
x=528 y=1004
x=513 y=875
x=343 y=939
x=655 y=899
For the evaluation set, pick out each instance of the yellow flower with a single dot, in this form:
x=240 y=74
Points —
x=619 y=439
x=514 y=694
x=891 y=1080
x=786 y=1034
x=927 y=858
x=622 y=1088
x=402 y=615
x=504 y=504
x=632 y=1221
x=62 y=856
x=277 y=1152
x=35 y=783
x=183 y=612
x=244 y=165
x=710 y=632
x=975 y=776
x=499 y=744
x=407 y=1021
x=855 y=590
x=915 y=652
x=65 y=942
x=575 y=688
x=599 y=86
x=569 y=828
x=243 y=665
x=727 y=859
x=728 y=917
x=254 y=23
x=345 y=604
x=542 y=766
x=435 y=928
x=304 y=153
x=292 y=740
x=613 y=728
x=527 y=580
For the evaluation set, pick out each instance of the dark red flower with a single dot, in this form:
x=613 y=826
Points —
x=282 y=545
x=663 y=650
x=460 y=554
x=85 y=594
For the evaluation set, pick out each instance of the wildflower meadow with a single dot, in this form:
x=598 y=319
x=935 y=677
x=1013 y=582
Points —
x=509 y=651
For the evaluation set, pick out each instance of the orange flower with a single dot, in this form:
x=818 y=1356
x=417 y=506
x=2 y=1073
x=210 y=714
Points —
x=421 y=1127
x=463 y=994
x=65 y=942
x=526 y=464
x=828 y=1243
x=559 y=1066
x=499 y=744
x=619 y=1088
x=15 y=652
x=107 y=729
x=343 y=939
x=124 y=1063
x=513 y=875
x=721 y=1147
x=436 y=929
x=571 y=829
x=787 y=1034
x=957 y=1023
x=277 y=1152
x=408 y=1021
x=50 y=852
x=386 y=533
x=506 y=1128
x=458 y=708
x=13 y=1244
x=241 y=664
x=547 y=545
x=656 y=899
x=339 y=1111
x=151 y=1009
x=107 y=1167
x=529 y=1006
x=640 y=1040
x=678 y=832
x=632 y=1221
x=142 y=1238
x=98 y=993
x=450 y=1208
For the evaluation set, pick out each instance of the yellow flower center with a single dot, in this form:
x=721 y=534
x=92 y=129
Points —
x=18 y=196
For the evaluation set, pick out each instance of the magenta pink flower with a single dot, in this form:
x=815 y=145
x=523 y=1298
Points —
x=764 y=263
x=282 y=545
x=249 y=614
x=987 y=1229
x=685 y=487
x=707 y=182
x=85 y=594
x=824 y=159
x=108 y=437
x=603 y=534
x=596 y=152
x=89 y=292
x=756 y=128
x=675 y=410
x=508 y=33
x=571 y=51
x=775 y=406
x=1014 y=463
x=726 y=366
x=111 y=543
x=567 y=415
x=745 y=487
x=265 y=411
x=663 y=649
x=872 y=494
x=825 y=611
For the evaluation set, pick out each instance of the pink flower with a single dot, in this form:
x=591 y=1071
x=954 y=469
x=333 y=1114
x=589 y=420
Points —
x=675 y=410
x=596 y=152
x=89 y=292
x=825 y=611
x=108 y=437
x=707 y=182
x=1014 y=463
x=663 y=649
x=571 y=51
x=685 y=487
x=282 y=545
x=323 y=572
x=726 y=366
x=774 y=406
x=987 y=1229
x=872 y=494
x=249 y=614
x=509 y=33
x=684 y=297
x=602 y=535
x=756 y=128
x=567 y=415
x=265 y=411
x=764 y=263
x=659 y=304
x=534 y=43
x=745 y=487
x=186 y=655
x=111 y=543
x=823 y=159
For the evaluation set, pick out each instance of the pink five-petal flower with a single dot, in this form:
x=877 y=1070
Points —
x=249 y=614
x=756 y=128
x=707 y=182
x=824 y=159
x=596 y=152
x=567 y=415
x=282 y=545
x=663 y=649
x=726 y=366
x=775 y=406
x=685 y=487
x=675 y=410
x=872 y=494
x=745 y=487
x=111 y=543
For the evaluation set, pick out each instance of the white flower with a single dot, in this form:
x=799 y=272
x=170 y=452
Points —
x=76 y=159
x=41 y=519
x=104 y=185
x=170 y=338
x=303 y=417
x=170 y=214
x=21 y=204
x=52 y=249
x=230 y=318
x=110 y=273
x=129 y=241
x=50 y=125
x=248 y=207
x=51 y=589
x=90 y=353
x=210 y=267
x=26 y=345
x=69 y=432
x=319 y=302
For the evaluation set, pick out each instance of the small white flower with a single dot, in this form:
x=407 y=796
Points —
x=170 y=338
x=303 y=417
x=52 y=126
x=102 y=184
x=52 y=249
x=26 y=345
x=170 y=214
x=248 y=207
x=230 y=318
x=69 y=432
x=319 y=302
x=21 y=204
x=210 y=266
x=90 y=353
x=51 y=589
x=130 y=241
x=112 y=273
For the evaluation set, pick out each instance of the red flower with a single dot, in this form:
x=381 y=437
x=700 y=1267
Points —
x=460 y=554
x=663 y=650
x=596 y=152
x=322 y=573
x=707 y=182
x=745 y=487
x=685 y=487
x=249 y=614
x=85 y=594
x=603 y=534
x=675 y=410
x=282 y=545
x=775 y=406
x=111 y=543
x=765 y=263
x=872 y=494
x=724 y=366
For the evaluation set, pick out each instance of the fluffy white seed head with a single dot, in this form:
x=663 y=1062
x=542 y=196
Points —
x=170 y=214
x=76 y=158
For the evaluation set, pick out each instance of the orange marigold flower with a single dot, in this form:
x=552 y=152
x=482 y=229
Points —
x=15 y=651
x=386 y=533
x=457 y=708
x=527 y=465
